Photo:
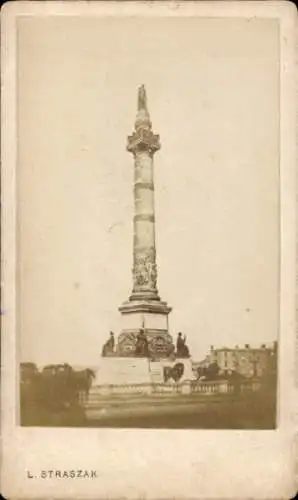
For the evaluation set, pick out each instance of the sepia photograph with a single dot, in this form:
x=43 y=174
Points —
x=152 y=208
x=148 y=223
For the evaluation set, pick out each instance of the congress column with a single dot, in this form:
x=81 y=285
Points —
x=144 y=313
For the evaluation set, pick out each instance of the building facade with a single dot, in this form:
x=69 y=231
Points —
x=245 y=360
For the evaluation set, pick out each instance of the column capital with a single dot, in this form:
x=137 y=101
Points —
x=143 y=140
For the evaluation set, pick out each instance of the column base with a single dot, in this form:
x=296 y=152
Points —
x=137 y=296
x=152 y=317
x=144 y=305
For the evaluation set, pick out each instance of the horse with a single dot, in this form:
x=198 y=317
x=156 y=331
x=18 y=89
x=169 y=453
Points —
x=83 y=382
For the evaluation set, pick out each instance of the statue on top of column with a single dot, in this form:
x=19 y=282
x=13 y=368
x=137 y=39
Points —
x=142 y=98
x=143 y=120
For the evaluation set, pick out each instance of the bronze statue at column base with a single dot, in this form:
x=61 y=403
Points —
x=108 y=347
x=182 y=350
x=158 y=344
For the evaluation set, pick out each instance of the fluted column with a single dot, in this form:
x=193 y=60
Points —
x=143 y=143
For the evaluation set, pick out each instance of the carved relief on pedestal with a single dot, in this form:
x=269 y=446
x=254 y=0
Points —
x=127 y=344
x=145 y=270
x=160 y=344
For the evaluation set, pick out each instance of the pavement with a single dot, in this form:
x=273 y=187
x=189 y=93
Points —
x=189 y=411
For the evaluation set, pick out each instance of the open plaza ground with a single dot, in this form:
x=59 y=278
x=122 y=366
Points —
x=247 y=411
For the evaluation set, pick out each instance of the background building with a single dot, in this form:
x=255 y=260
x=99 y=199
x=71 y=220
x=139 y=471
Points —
x=245 y=360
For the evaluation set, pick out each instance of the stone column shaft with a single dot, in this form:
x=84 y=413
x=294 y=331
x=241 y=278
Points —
x=143 y=143
x=144 y=252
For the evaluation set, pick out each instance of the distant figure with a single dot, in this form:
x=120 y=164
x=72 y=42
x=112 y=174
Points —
x=142 y=346
x=181 y=347
x=108 y=347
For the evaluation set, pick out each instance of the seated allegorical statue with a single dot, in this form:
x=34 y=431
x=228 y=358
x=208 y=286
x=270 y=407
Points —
x=182 y=350
x=142 y=345
x=108 y=347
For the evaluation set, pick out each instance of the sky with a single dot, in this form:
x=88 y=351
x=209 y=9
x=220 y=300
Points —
x=213 y=97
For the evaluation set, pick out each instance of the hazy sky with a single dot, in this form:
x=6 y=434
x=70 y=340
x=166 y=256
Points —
x=212 y=87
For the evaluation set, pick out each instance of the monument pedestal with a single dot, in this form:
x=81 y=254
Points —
x=120 y=371
x=150 y=316
x=144 y=336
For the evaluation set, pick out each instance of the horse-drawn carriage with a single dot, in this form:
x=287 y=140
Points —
x=66 y=387
x=56 y=388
